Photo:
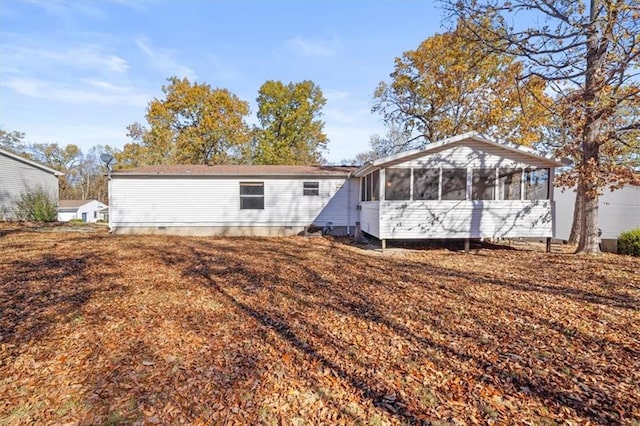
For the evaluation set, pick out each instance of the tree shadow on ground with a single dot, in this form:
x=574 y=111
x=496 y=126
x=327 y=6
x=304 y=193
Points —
x=229 y=273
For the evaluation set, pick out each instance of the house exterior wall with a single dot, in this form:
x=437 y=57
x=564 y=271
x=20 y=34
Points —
x=618 y=211
x=409 y=219
x=465 y=219
x=17 y=177
x=210 y=205
x=370 y=218
x=474 y=154
x=67 y=215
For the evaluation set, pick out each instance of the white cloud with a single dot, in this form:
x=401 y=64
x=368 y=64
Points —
x=79 y=57
x=69 y=11
x=80 y=92
x=164 y=59
x=314 y=47
x=336 y=95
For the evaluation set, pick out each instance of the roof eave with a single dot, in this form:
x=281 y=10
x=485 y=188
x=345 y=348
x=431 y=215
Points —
x=31 y=162
x=407 y=155
x=229 y=175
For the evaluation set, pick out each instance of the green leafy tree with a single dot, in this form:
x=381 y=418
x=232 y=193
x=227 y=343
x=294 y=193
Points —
x=450 y=85
x=290 y=130
x=193 y=124
x=588 y=52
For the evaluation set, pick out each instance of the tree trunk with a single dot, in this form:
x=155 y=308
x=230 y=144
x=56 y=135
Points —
x=589 y=167
x=576 y=226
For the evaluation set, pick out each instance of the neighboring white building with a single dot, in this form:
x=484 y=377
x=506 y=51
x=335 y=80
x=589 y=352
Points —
x=232 y=199
x=462 y=187
x=618 y=211
x=19 y=175
x=466 y=186
x=85 y=210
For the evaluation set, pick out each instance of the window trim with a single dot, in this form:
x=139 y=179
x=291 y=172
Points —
x=313 y=190
x=251 y=196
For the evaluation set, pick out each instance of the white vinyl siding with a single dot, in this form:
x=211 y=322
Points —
x=618 y=211
x=465 y=219
x=213 y=201
x=473 y=154
x=370 y=218
x=459 y=211
x=17 y=177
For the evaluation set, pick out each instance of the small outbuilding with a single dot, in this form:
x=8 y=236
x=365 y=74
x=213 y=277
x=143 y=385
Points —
x=19 y=175
x=89 y=211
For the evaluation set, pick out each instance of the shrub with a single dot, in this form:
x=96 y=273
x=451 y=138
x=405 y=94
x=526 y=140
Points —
x=629 y=242
x=76 y=220
x=36 y=205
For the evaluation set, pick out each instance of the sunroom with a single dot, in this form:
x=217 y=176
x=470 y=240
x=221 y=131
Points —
x=467 y=186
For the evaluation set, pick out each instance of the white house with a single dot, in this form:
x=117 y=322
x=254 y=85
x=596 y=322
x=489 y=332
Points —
x=232 y=199
x=19 y=175
x=618 y=211
x=463 y=187
x=467 y=186
x=85 y=210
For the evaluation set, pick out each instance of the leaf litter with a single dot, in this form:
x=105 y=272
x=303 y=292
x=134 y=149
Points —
x=103 y=329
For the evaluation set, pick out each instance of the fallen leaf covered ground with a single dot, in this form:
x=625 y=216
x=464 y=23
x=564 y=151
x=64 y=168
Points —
x=103 y=329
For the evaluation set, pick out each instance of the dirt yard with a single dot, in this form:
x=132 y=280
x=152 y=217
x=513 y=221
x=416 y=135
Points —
x=102 y=329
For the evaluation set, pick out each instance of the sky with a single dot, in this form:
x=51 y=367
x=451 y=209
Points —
x=78 y=72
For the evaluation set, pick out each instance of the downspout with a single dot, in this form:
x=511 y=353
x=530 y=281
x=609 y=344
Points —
x=109 y=199
x=349 y=204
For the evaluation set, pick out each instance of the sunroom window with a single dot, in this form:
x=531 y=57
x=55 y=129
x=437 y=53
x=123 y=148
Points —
x=454 y=184
x=509 y=184
x=483 y=184
x=536 y=184
x=370 y=186
x=426 y=184
x=397 y=184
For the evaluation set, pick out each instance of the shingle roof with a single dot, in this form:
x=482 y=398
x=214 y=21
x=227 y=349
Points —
x=237 y=170
x=72 y=204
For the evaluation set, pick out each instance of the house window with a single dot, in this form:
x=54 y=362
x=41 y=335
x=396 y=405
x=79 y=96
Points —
x=509 y=184
x=370 y=186
x=536 y=184
x=426 y=184
x=251 y=195
x=310 y=188
x=397 y=184
x=454 y=184
x=483 y=184
x=95 y=214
